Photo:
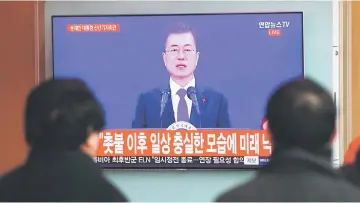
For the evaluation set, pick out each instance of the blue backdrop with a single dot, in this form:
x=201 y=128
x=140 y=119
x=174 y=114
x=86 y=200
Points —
x=238 y=58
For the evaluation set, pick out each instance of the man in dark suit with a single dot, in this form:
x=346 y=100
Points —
x=62 y=122
x=301 y=120
x=180 y=59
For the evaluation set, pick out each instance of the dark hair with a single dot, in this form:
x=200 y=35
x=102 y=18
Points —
x=180 y=28
x=301 y=113
x=60 y=113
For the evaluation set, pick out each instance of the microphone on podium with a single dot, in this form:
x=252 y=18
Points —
x=164 y=99
x=191 y=94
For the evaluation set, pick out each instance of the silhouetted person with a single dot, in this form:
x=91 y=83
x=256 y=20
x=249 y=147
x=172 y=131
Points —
x=301 y=119
x=62 y=121
x=351 y=171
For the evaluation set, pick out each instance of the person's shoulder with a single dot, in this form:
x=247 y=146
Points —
x=9 y=183
x=350 y=190
x=351 y=174
x=107 y=192
x=12 y=175
x=154 y=91
x=211 y=91
x=234 y=195
x=237 y=193
x=347 y=168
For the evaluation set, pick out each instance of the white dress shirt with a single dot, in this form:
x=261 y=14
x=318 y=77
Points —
x=175 y=99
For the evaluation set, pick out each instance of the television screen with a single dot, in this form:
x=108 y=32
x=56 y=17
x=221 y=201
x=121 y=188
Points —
x=158 y=75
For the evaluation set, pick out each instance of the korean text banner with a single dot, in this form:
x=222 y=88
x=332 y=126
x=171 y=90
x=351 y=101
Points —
x=183 y=148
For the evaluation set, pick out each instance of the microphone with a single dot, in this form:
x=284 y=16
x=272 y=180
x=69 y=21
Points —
x=164 y=99
x=191 y=93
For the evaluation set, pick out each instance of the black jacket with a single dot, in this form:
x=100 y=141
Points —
x=295 y=175
x=352 y=171
x=52 y=176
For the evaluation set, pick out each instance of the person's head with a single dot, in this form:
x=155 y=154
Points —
x=180 y=55
x=63 y=114
x=301 y=114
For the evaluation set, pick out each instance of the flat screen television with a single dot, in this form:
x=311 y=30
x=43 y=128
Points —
x=137 y=64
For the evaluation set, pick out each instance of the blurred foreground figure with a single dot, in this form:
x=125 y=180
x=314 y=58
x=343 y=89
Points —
x=301 y=119
x=62 y=121
x=351 y=171
x=352 y=150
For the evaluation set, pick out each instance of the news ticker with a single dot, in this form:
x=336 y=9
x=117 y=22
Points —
x=184 y=143
x=181 y=162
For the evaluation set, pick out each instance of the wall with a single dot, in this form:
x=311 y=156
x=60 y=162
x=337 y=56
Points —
x=345 y=109
x=350 y=70
x=22 y=66
x=179 y=185
x=355 y=67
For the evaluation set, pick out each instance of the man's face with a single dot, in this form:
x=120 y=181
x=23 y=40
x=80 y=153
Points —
x=180 y=56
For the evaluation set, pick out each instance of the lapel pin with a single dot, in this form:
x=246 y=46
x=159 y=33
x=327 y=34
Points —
x=203 y=100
